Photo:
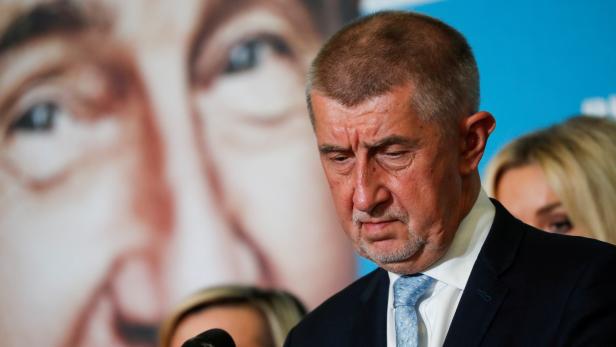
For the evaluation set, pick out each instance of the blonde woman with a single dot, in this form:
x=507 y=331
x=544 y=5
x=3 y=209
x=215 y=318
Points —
x=561 y=179
x=253 y=317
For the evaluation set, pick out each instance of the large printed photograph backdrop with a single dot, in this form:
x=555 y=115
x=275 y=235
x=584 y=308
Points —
x=152 y=148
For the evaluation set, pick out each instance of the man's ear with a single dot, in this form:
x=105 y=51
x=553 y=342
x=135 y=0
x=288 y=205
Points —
x=475 y=131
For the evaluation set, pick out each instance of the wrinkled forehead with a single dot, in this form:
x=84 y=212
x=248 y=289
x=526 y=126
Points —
x=397 y=100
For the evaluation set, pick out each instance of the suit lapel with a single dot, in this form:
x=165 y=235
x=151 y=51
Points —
x=484 y=291
x=370 y=324
x=481 y=300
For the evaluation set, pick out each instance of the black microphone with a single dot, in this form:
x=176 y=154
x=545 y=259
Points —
x=210 y=338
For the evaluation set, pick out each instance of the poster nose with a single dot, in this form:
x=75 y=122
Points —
x=201 y=247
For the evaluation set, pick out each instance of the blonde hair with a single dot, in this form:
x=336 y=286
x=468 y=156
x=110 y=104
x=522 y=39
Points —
x=578 y=159
x=281 y=309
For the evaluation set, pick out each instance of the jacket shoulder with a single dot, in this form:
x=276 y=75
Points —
x=511 y=239
x=327 y=324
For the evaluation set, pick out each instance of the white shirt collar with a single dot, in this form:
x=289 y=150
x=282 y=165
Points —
x=454 y=268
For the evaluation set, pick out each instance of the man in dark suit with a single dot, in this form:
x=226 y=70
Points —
x=393 y=100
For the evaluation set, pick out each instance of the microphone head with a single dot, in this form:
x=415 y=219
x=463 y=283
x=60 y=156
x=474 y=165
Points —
x=211 y=338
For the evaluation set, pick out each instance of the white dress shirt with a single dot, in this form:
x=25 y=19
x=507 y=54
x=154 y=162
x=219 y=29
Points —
x=451 y=273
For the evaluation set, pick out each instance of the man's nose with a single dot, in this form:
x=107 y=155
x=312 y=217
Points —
x=369 y=192
x=201 y=248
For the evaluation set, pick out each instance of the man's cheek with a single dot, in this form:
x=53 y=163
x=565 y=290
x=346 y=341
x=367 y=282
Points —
x=342 y=195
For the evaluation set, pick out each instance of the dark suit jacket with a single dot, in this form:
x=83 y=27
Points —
x=527 y=288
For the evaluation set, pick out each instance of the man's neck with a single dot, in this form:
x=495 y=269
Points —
x=470 y=191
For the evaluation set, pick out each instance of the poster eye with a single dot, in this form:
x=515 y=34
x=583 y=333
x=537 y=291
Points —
x=38 y=118
x=251 y=53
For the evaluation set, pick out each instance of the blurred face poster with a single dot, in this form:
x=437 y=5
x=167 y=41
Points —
x=153 y=148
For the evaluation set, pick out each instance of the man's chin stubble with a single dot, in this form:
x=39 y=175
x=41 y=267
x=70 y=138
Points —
x=410 y=248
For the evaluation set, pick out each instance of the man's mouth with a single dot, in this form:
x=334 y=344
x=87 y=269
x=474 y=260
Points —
x=376 y=230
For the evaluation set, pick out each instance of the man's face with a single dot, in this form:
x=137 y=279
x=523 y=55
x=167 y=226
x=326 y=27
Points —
x=393 y=176
x=150 y=149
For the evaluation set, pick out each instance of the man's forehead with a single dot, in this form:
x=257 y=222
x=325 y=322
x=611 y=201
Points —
x=334 y=110
x=374 y=123
x=394 y=105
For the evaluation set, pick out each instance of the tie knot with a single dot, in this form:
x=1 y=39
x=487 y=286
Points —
x=409 y=289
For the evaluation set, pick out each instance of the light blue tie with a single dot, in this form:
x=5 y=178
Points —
x=407 y=291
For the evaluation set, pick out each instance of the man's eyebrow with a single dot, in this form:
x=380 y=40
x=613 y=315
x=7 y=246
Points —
x=387 y=141
x=43 y=19
x=394 y=140
x=326 y=148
